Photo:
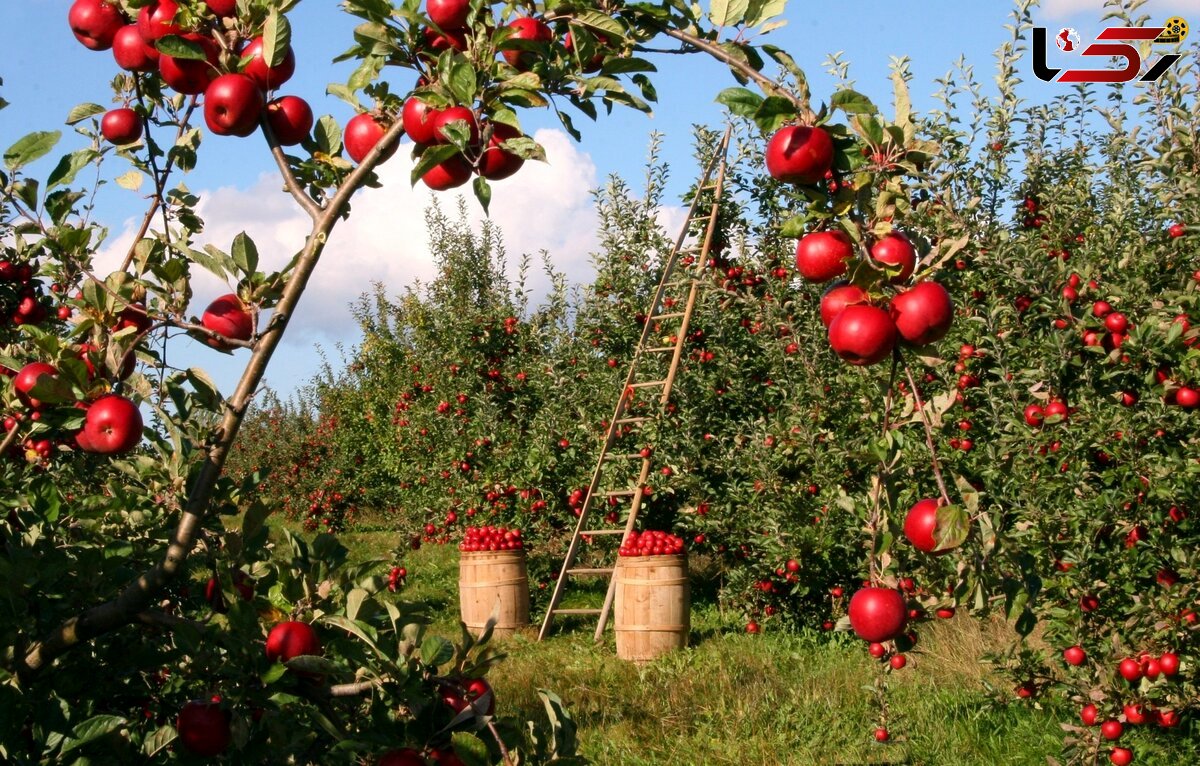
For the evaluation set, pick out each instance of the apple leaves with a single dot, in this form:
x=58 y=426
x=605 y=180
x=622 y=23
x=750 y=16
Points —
x=31 y=147
x=277 y=38
x=768 y=113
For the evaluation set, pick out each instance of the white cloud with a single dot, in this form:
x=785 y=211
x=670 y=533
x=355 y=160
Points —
x=544 y=206
x=1158 y=10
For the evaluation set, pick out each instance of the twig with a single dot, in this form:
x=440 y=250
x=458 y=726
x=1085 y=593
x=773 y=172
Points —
x=937 y=471
x=310 y=205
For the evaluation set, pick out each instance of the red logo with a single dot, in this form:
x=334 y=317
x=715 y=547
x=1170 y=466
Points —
x=1112 y=43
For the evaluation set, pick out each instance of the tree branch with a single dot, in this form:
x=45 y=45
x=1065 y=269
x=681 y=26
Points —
x=137 y=596
x=289 y=178
x=937 y=471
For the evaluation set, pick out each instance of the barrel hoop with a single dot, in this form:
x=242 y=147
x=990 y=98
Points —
x=493 y=583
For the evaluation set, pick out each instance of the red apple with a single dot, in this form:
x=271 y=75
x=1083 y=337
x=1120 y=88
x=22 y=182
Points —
x=448 y=14
x=1169 y=663
x=1176 y=230
x=362 y=133
x=823 y=255
x=454 y=114
x=203 y=728
x=449 y=174
x=895 y=250
x=882 y=735
x=131 y=52
x=1035 y=415
x=862 y=334
x=920 y=527
x=923 y=314
x=292 y=639
x=228 y=316
x=417 y=117
x=1074 y=655
x=121 y=126
x=1116 y=322
x=405 y=757
x=799 y=154
x=267 y=77
x=446 y=757
x=497 y=163
x=1111 y=729
x=1120 y=756
x=1056 y=411
x=223 y=8
x=27 y=378
x=189 y=76
x=232 y=105
x=113 y=425
x=1088 y=714
x=1101 y=309
x=1134 y=714
x=157 y=20
x=838 y=297
x=877 y=614
x=530 y=30
x=291 y=119
x=94 y=23
x=455 y=39
x=1187 y=398
x=1130 y=670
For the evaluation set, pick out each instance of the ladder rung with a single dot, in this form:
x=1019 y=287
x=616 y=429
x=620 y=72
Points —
x=577 y=611
x=620 y=493
x=630 y=456
x=672 y=315
x=603 y=532
x=647 y=384
x=659 y=349
x=590 y=571
x=624 y=421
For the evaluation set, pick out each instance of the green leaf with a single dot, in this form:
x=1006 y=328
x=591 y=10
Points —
x=28 y=191
x=179 y=48
x=156 y=742
x=794 y=227
x=436 y=650
x=205 y=389
x=953 y=526
x=483 y=192
x=740 y=101
x=601 y=22
x=470 y=749
x=245 y=253
x=131 y=180
x=434 y=155
x=852 y=102
x=82 y=111
x=345 y=94
x=92 y=729
x=728 y=13
x=68 y=167
x=764 y=10
x=328 y=135
x=31 y=147
x=461 y=80
x=620 y=65
x=354 y=602
x=903 y=102
x=773 y=113
x=277 y=38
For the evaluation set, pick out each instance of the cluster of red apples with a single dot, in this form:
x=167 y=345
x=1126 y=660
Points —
x=861 y=330
x=234 y=93
x=651 y=542
x=491 y=538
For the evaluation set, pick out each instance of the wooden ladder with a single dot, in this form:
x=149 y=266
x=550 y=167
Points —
x=654 y=326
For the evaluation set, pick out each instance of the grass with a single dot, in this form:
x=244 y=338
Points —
x=774 y=698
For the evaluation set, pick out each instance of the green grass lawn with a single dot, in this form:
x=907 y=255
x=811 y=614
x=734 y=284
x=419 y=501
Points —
x=773 y=698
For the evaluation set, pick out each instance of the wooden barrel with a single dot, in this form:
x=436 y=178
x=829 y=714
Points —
x=490 y=578
x=652 y=606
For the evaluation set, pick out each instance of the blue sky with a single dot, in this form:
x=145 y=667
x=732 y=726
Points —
x=46 y=72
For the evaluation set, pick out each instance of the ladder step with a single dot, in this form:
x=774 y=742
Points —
x=577 y=611
x=603 y=532
x=624 y=421
x=590 y=571
x=630 y=456
x=659 y=349
x=647 y=384
x=672 y=315
x=620 y=493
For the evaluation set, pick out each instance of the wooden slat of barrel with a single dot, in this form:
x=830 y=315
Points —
x=488 y=577
x=652 y=606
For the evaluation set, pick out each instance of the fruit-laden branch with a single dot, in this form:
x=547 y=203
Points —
x=310 y=205
x=160 y=179
x=136 y=597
